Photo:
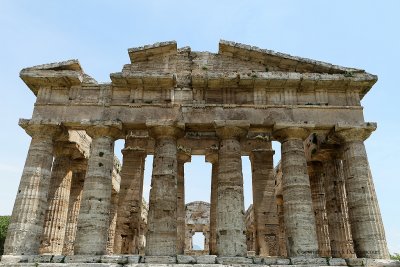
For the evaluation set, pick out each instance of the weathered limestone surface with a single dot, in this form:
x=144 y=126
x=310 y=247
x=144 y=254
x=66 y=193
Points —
x=56 y=214
x=183 y=157
x=112 y=222
x=365 y=218
x=336 y=207
x=26 y=225
x=297 y=203
x=212 y=157
x=79 y=171
x=161 y=237
x=264 y=205
x=128 y=228
x=231 y=238
x=315 y=171
x=197 y=220
x=94 y=214
x=279 y=203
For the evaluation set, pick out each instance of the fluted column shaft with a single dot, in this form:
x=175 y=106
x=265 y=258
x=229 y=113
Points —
x=337 y=211
x=26 y=225
x=297 y=203
x=282 y=236
x=78 y=176
x=113 y=223
x=316 y=174
x=365 y=218
x=57 y=210
x=161 y=237
x=130 y=196
x=212 y=157
x=94 y=215
x=266 y=220
x=231 y=229
x=183 y=157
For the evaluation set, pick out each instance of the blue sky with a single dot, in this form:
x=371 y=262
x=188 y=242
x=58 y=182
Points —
x=362 y=34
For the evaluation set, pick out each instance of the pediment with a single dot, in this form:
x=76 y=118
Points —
x=231 y=56
x=276 y=61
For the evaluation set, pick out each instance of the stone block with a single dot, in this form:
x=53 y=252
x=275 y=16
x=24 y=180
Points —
x=234 y=260
x=257 y=260
x=58 y=259
x=206 y=259
x=271 y=261
x=381 y=263
x=82 y=259
x=251 y=253
x=302 y=260
x=119 y=259
x=185 y=259
x=282 y=261
x=14 y=258
x=160 y=259
x=40 y=258
x=134 y=258
x=337 y=262
x=356 y=262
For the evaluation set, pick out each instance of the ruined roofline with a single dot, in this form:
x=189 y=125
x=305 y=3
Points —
x=197 y=202
x=143 y=53
x=293 y=63
x=64 y=73
x=271 y=66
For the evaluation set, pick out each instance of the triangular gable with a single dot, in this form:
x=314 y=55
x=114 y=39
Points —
x=280 y=61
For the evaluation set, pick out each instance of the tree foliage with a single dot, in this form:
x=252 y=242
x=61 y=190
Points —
x=4 y=222
x=395 y=256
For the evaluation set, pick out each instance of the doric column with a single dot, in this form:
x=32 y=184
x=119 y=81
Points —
x=282 y=237
x=162 y=234
x=206 y=240
x=231 y=229
x=79 y=167
x=336 y=205
x=298 y=212
x=57 y=210
x=266 y=222
x=184 y=155
x=113 y=223
x=212 y=157
x=316 y=174
x=130 y=196
x=26 y=225
x=94 y=214
x=365 y=218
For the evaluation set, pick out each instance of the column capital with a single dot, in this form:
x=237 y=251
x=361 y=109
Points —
x=349 y=133
x=79 y=165
x=135 y=143
x=326 y=154
x=231 y=129
x=41 y=129
x=165 y=128
x=261 y=154
x=67 y=149
x=285 y=131
x=211 y=155
x=184 y=154
x=96 y=129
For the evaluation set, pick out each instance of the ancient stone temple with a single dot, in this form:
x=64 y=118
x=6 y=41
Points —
x=75 y=205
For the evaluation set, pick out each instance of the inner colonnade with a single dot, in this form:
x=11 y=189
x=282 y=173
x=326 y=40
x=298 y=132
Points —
x=75 y=198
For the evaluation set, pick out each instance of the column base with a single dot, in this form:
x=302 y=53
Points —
x=176 y=261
